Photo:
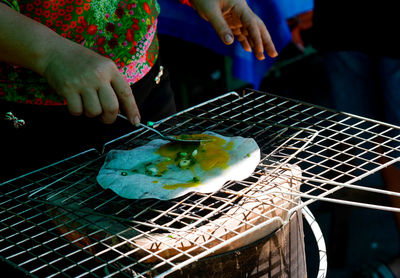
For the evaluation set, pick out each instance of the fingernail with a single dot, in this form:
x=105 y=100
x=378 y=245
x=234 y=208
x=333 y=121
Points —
x=228 y=38
x=136 y=121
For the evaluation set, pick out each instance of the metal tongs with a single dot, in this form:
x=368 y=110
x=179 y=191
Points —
x=167 y=137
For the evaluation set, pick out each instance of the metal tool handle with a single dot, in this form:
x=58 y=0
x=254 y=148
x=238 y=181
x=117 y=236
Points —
x=156 y=131
x=166 y=137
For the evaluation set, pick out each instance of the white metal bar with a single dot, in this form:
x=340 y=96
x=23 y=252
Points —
x=319 y=238
x=342 y=202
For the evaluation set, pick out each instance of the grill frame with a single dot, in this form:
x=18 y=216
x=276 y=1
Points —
x=23 y=204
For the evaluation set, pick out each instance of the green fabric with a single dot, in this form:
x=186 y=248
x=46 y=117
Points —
x=12 y=3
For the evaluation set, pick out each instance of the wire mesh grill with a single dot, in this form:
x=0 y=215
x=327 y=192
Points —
x=57 y=220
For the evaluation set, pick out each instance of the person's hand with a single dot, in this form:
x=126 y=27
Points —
x=234 y=18
x=90 y=83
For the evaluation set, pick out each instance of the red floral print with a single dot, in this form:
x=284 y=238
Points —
x=92 y=29
x=79 y=10
x=130 y=35
x=29 y=7
x=112 y=43
x=65 y=27
x=101 y=50
x=38 y=101
x=38 y=12
x=79 y=38
x=101 y=40
x=135 y=27
x=119 y=12
x=79 y=29
x=110 y=27
x=46 y=4
x=186 y=2
x=146 y=8
x=46 y=14
x=68 y=17
x=82 y=22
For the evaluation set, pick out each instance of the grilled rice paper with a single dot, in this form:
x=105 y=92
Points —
x=166 y=170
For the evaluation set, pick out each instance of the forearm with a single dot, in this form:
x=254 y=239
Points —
x=25 y=42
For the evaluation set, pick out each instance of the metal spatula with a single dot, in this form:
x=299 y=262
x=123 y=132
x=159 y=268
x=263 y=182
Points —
x=167 y=137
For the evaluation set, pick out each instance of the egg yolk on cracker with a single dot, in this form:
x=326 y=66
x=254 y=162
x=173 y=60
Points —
x=209 y=155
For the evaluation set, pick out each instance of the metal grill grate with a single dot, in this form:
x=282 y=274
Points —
x=57 y=220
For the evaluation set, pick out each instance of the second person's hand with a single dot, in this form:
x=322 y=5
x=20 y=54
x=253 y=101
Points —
x=234 y=18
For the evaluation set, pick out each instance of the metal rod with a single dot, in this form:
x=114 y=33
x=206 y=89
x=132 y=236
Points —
x=339 y=201
x=319 y=238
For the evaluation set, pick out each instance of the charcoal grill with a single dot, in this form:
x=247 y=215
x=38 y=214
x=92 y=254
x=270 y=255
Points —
x=58 y=220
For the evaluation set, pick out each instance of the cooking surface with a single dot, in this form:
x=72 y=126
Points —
x=46 y=214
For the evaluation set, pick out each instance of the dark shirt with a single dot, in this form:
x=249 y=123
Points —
x=357 y=25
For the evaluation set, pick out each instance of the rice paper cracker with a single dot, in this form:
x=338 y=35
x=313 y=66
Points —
x=166 y=170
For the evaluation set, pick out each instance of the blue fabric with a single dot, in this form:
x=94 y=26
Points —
x=291 y=8
x=183 y=22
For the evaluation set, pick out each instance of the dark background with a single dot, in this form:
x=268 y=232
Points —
x=357 y=239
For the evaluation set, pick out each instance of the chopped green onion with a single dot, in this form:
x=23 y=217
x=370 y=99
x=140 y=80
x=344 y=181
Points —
x=196 y=179
x=194 y=153
x=124 y=173
x=184 y=163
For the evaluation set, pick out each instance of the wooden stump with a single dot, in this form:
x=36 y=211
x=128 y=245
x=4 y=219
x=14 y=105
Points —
x=279 y=255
